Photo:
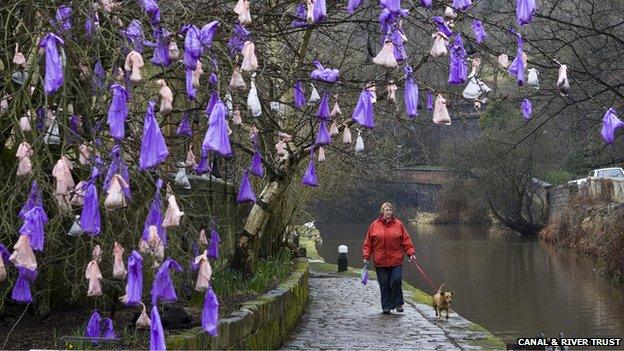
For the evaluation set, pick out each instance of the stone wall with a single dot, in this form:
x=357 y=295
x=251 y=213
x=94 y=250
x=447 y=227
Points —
x=264 y=323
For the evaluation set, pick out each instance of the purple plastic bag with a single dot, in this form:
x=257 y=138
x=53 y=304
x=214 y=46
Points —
x=353 y=5
x=191 y=91
x=151 y=8
x=134 y=286
x=203 y=166
x=429 y=100
x=92 y=23
x=192 y=46
x=256 y=165
x=118 y=111
x=162 y=287
x=364 y=274
x=323 y=74
x=458 y=67
x=442 y=27
x=194 y=266
x=461 y=4
x=54 y=77
x=212 y=102
x=610 y=123
x=517 y=65
x=363 y=112
x=34 y=199
x=400 y=54
x=21 y=289
x=153 y=146
x=35 y=219
x=524 y=11
x=391 y=14
x=240 y=35
x=157 y=334
x=94 y=328
x=184 y=128
x=63 y=18
x=320 y=11
x=207 y=34
x=210 y=313
x=90 y=216
x=217 y=138
x=411 y=93
x=246 y=193
x=74 y=129
x=323 y=109
x=154 y=217
x=134 y=34
x=109 y=331
x=301 y=13
x=213 y=248
x=309 y=177
x=427 y=3
x=526 y=109
x=479 y=31
x=323 y=137
x=161 y=48
x=299 y=96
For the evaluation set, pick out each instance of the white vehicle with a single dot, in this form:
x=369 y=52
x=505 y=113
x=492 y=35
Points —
x=603 y=173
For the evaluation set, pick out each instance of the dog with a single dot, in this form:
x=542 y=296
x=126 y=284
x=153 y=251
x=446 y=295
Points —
x=442 y=301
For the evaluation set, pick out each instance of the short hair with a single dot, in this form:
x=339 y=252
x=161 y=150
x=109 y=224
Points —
x=384 y=205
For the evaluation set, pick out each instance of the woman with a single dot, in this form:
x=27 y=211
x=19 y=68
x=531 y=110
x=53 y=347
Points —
x=386 y=240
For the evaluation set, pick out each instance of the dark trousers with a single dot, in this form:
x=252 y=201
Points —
x=390 y=279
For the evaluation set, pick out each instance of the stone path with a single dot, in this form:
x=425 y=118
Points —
x=344 y=314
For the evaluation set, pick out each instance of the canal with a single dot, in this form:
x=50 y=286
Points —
x=511 y=285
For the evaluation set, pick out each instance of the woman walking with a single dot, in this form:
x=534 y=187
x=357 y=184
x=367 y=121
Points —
x=386 y=240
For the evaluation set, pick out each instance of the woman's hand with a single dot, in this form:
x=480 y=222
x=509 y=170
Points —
x=365 y=261
x=412 y=258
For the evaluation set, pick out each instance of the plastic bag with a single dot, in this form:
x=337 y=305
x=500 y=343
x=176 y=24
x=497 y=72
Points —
x=533 y=78
x=253 y=102
x=181 y=179
x=364 y=275
x=359 y=143
x=385 y=57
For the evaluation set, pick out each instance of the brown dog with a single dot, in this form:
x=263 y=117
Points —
x=442 y=301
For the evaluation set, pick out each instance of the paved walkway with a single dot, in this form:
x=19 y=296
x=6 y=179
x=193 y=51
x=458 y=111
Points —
x=344 y=314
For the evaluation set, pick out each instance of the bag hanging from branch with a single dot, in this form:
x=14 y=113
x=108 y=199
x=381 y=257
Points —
x=54 y=77
x=23 y=155
x=23 y=255
x=533 y=78
x=162 y=287
x=321 y=154
x=116 y=198
x=210 y=313
x=217 y=138
x=213 y=249
x=242 y=10
x=245 y=192
x=610 y=123
x=119 y=269
x=94 y=276
x=181 y=179
x=479 y=31
x=385 y=57
x=458 y=68
x=363 y=112
x=333 y=129
x=153 y=147
x=237 y=82
x=250 y=62
x=134 y=286
x=323 y=137
x=172 y=214
x=256 y=165
x=563 y=84
x=323 y=109
x=346 y=135
x=134 y=63
x=309 y=177
x=166 y=97
x=21 y=289
x=118 y=111
x=411 y=93
x=526 y=109
x=157 y=334
x=143 y=322
x=440 y=112
x=253 y=102
x=298 y=96
x=205 y=272
x=359 y=143
x=314 y=96
x=391 y=89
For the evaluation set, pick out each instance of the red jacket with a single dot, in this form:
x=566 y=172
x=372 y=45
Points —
x=387 y=240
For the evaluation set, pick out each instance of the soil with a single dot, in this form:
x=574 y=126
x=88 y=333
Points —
x=35 y=332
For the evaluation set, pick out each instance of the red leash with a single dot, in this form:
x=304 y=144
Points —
x=424 y=275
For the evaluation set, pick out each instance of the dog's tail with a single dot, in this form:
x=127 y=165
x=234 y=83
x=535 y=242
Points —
x=440 y=289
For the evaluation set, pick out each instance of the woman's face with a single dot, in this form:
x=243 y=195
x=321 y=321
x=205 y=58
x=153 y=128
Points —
x=387 y=212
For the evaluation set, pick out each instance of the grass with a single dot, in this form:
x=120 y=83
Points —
x=268 y=273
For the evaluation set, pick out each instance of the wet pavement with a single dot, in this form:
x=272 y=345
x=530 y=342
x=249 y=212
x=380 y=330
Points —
x=344 y=314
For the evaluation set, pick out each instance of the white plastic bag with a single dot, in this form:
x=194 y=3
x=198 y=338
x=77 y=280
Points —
x=181 y=179
x=475 y=88
x=253 y=102
x=533 y=78
x=314 y=96
x=76 y=229
x=359 y=143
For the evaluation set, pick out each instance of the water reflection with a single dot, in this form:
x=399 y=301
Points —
x=512 y=285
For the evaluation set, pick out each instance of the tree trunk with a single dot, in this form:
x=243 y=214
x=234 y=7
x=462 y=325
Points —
x=248 y=246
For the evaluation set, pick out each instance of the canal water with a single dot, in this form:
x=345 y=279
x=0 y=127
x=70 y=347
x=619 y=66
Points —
x=511 y=285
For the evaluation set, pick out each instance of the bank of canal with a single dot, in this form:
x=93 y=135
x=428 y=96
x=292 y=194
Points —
x=512 y=286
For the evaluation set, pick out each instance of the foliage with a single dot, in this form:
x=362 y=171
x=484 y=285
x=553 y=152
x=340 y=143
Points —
x=267 y=272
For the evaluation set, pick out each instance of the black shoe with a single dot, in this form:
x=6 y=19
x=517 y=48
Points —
x=386 y=312
x=400 y=309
